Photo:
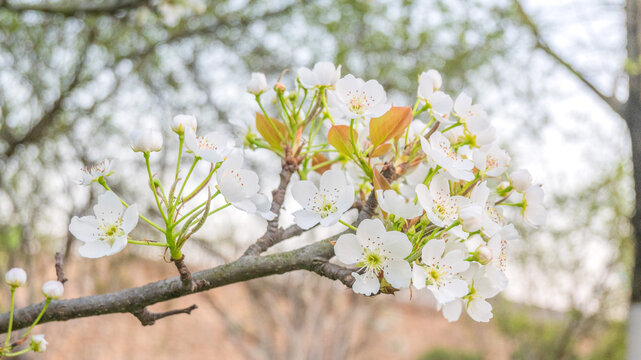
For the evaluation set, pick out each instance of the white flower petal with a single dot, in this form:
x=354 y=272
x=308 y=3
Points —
x=347 y=249
x=433 y=250
x=452 y=310
x=108 y=209
x=303 y=191
x=370 y=232
x=397 y=244
x=306 y=219
x=419 y=277
x=398 y=273
x=366 y=284
x=84 y=228
x=95 y=249
x=130 y=219
x=479 y=310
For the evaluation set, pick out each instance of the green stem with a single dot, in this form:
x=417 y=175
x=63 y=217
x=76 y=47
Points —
x=205 y=181
x=218 y=209
x=195 y=209
x=23 y=351
x=104 y=184
x=152 y=243
x=42 y=312
x=348 y=225
x=191 y=169
x=153 y=187
x=181 y=138
x=324 y=102
x=8 y=340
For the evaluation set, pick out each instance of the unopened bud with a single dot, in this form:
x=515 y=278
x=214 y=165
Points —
x=279 y=87
x=484 y=255
x=15 y=277
x=53 y=289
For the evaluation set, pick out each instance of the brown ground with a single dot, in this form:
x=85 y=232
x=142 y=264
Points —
x=263 y=319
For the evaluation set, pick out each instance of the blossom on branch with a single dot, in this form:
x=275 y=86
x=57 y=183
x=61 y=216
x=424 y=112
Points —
x=105 y=233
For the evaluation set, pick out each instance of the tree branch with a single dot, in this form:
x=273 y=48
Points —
x=74 y=11
x=310 y=258
x=274 y=234
x=147 y=317
x=542 y=44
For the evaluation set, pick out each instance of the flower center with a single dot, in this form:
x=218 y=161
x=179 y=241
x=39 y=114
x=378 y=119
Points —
x=491 y=163
x=110 y=232
x=358 y=103
x=203 y=143
x=372 y=260
x=435 y=275
x=324 y=205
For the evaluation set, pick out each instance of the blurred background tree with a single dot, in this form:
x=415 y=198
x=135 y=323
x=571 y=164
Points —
x=77 y=76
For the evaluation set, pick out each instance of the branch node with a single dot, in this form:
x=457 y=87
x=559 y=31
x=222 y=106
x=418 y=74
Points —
x=60 y=273
x=147 y=317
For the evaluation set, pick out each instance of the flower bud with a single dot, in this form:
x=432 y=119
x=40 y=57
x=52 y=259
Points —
x=483 y=255
x=471 y=217
x=437 y=80
x=279 y=87
x=181 y=122
x=15 y=277
x=146 y=140
x=258 y=84
x=38 y=343
x=521 y=180
x=53 y=289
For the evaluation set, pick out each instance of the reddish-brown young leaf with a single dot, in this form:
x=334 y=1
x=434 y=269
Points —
x=380 y=150
x=391 y=125
x=267 y=131
x=319 y=159
x=339 y=137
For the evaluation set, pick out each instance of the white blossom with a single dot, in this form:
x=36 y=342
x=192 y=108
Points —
x=491 y=160
x=377 y=252
x=439 y=151
x=394 y=203
x=491 y=219
x=473 y=116
x=441 y=207
x=181 y=122
x=438 y=271
x=146 y=140
x=212 y=147
x=258 y=84
x=533 y=211
x=324 y=204
x=94 y=172
x=428 y=84
x=240 y=187
x=521 y=180
x=357 y=98
x=38 y=343
x=15 y=277
x=106 y=232
x=324 y=73
x=53 y=289
x=471 y=217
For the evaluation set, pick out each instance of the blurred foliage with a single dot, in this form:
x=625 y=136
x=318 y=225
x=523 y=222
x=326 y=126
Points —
x=538 y=334
x=73 y=81
x=75 y=74
x=449 y=354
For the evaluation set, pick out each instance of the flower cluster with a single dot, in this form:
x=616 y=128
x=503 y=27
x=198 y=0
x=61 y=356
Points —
x=52 y=290
x=431 y=179
x=440 y=180
x=108 y=231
